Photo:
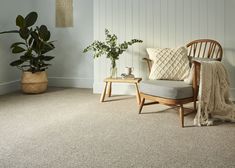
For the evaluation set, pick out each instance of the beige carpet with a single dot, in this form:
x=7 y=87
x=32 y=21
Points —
x=66 y=128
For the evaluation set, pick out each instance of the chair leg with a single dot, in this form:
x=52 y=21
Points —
x=195 y=106
x=141 y=105
x=181 y=111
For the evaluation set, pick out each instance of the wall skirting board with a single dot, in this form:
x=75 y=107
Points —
x=70 y=82
x=8 y=87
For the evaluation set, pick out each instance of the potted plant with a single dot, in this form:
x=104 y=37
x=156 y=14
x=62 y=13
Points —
x=111 y=49
x=31 y=51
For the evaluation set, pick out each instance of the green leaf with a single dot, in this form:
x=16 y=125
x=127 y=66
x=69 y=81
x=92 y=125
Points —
x=30 y=41
x=43 y=28
x=51 y=44
x=17 y=63
x=47 y=36
x=31 y=19
x=25 y=58
x=47 y=48
x=44 y=33
x=47 y=58
x=106 y=32
x=24 y=33
x=28 y=53
x=34 y=62
x=20 y=22
x=17 y=49
x=34 y=47
x=34 y=35
x=16 y=44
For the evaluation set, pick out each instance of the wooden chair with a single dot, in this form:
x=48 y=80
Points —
x=197 y=50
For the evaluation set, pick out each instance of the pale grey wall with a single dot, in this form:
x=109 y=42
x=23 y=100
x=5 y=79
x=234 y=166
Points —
x=70 y=67
x=230 y=41
x=9 y=9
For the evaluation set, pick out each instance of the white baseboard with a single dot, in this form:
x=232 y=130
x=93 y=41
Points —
x=70 y=82
x=8 y=87
x=117 y=88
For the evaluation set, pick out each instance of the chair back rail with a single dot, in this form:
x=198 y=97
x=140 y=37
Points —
x=202 y=48
x=205 y=48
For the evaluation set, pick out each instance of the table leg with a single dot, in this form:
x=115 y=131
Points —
x=137 y=94
x=104 y=93
x=109 y=91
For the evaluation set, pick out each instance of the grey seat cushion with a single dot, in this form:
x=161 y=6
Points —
x=167 y=89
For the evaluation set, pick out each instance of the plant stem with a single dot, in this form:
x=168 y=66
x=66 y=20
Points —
x=113 y=63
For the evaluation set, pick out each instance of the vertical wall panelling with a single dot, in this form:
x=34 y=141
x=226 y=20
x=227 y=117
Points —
x=109 y=26
x=164 y=24
x=96 y=36
x=203 y=18
x=180 y=22
x=220 y=24
x=187 y=21
x=129 y=31
x=172 y=23
x=159 y=23
x=229 y=60
x=103 y=26
x=122 y=35
x=149 y=21
x=142 y=36
x=211 y=10
x=116 y=23
x=136 y=29
x=195 y=6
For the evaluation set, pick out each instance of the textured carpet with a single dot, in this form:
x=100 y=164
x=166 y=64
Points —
x=66 y=128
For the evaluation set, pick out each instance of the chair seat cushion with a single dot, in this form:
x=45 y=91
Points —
x=167 y=89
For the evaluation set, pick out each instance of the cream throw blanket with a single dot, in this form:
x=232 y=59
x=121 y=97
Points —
x=213 y=96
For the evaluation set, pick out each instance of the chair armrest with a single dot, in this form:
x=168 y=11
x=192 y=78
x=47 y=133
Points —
x=149 y=63
x=197 y=63
x=147 y=59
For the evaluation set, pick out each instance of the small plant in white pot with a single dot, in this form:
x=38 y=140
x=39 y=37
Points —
x=31 y=51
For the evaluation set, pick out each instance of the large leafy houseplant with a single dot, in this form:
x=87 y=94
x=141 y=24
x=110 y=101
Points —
x=34 y=45
x=111 y=48
x=31 y=53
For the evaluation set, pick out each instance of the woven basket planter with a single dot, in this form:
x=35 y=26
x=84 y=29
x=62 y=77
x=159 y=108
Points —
x=34 y=83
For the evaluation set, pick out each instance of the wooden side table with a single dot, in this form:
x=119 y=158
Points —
x=108 y=87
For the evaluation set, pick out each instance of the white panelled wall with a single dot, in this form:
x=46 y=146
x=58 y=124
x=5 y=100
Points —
x=159 y=23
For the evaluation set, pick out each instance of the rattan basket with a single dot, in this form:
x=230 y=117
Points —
x=34 y=83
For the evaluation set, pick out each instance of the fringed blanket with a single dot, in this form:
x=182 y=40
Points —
x=213 y=96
